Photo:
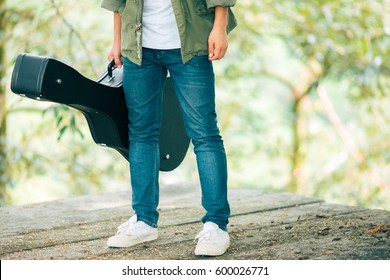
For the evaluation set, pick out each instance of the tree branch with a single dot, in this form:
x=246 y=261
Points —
x=345 y=136
x=75 y=32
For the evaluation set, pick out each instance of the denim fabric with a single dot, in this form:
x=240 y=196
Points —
x=194 y=85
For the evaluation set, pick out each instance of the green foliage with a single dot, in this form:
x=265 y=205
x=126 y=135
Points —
x=44 y=144
x=66 y=119
x=347 y=39
x=283 y=51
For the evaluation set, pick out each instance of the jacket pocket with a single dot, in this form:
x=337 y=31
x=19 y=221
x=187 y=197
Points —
x=201 y=8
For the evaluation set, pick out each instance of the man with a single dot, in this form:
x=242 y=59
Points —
x=182 y=37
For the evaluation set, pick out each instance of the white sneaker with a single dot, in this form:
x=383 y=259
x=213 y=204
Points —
x=212 y=241
x=131 y=233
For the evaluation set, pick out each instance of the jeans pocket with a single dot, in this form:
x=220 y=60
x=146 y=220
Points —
x=201 y=62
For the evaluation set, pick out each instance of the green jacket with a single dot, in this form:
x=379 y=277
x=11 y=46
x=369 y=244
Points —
x=194 y=18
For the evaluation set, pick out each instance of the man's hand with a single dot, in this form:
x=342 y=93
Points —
x=115 y=53
x=218 y=42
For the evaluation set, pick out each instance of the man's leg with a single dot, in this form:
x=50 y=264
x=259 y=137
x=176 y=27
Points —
x=143 y=86
x=194 y=85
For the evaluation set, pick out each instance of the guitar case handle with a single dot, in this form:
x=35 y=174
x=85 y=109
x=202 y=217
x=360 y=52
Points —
x=110 y=67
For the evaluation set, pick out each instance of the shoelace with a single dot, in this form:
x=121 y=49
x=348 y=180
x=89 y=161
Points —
x=130 y=227
x=123 y=227
x=209 y=235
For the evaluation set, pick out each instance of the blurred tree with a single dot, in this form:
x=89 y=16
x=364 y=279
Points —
x=336 y=40
x=3 y=128
x=51 y=28
x=10 y=16
x=339 y=39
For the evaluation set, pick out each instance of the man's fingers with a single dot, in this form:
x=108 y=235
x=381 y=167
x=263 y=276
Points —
x=211 y=49
x=217 y=45
x=218 y=52
x=118 y=62
x=117 y=59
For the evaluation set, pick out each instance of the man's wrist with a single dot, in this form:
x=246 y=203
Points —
x=221 y=17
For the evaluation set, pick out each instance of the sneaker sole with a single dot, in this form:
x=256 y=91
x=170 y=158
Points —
x=114 y=244
x=210 y=251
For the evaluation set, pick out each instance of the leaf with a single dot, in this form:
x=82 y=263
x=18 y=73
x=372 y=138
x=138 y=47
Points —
x=61 y=132
x=375 y=230
x=59 y=120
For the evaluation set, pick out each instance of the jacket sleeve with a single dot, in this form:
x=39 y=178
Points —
x=112 y=5
x=223 y=3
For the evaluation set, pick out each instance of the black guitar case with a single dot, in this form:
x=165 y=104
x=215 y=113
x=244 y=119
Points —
x=102 y=103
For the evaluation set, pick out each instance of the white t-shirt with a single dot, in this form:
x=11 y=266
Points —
x=159 y=28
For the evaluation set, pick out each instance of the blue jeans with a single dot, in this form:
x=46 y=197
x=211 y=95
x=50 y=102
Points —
x=194 y=86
